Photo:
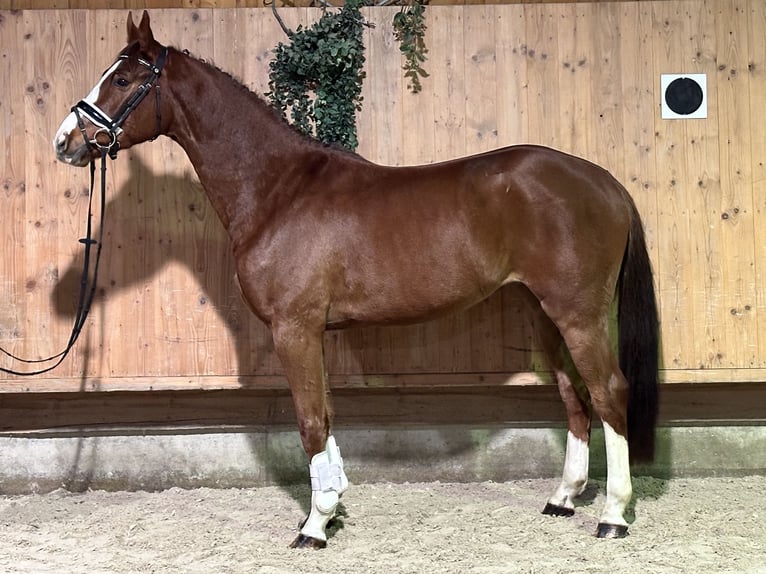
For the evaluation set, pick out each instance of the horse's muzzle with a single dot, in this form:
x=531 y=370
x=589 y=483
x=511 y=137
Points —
x=68 y=151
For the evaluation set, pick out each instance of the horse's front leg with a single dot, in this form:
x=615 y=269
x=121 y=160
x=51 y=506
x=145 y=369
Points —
x=300 y=350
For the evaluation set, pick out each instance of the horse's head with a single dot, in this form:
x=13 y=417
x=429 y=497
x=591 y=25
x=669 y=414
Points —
x=120 y=110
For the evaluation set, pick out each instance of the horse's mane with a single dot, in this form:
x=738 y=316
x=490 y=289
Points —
x=260 y=101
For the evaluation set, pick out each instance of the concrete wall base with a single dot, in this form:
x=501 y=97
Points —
x=155 y=460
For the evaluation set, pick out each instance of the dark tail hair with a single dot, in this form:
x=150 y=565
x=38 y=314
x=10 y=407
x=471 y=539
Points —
x=638 y=325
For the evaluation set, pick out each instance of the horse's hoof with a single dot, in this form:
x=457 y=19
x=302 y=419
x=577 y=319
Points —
x=605 y=530
x=308 y=542
x=556 y=510
x=332 y=523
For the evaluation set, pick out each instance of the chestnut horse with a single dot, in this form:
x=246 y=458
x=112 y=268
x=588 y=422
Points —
x=324 y=239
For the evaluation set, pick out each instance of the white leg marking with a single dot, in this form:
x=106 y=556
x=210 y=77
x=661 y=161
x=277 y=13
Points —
x=328 y=482
x=575 y=473
x=618 y=486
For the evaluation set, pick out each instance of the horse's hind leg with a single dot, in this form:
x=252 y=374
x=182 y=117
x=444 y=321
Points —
x=588 y=343
x=577 y=403
x=301 y=354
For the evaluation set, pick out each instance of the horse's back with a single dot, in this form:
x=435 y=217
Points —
x=507 y=209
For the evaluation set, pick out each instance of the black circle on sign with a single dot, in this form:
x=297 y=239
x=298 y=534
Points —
x=683 y=96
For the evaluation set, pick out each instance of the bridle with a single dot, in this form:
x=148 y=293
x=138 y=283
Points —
x=112 y=128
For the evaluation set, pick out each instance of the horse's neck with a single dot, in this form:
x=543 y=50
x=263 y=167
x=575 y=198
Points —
x=236 y=145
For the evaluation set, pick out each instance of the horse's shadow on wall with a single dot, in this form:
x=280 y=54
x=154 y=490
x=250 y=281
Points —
x=153 y=221
x=143 y=235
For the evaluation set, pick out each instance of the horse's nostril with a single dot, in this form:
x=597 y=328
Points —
x=60 y=142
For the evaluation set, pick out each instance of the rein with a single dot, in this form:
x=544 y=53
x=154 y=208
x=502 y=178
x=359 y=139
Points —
x=87 y=293
x=112 y=128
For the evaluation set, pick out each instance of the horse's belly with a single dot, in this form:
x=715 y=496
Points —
x=409 y=298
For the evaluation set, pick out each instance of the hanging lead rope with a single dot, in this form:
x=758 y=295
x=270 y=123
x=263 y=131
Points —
x=112 y=128
x=87 y=292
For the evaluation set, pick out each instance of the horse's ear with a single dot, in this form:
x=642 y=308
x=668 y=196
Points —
x=143 y=33
x=132 y=30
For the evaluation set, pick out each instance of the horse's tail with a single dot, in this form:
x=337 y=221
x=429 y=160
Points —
x=639 y=341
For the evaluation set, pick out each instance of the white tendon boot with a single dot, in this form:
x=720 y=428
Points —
x=328 y=482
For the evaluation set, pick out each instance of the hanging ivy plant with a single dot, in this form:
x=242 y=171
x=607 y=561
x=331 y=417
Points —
x=410 y=31
x=317 y=76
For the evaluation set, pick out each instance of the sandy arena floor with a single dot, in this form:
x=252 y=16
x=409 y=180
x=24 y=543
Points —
x=695 y=526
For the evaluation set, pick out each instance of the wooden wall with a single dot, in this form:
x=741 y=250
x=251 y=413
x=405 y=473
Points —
x=580 y=77
x=162 y=4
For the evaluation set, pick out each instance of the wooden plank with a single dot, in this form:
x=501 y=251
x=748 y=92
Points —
x=53 y=198
x=674 y=271
x=485 y=318
x=542 y=29
x=418 y=115
x=378 y=350
x=605 y=137
x=243 y=39
x=261 y=36
x=12 y=183
x=447 y=59
x=156 y=5
x=480 y=79
x=108 y=349
x=342 y=348
x=537 y=406
x=103 y=32
x=734 y=122
x=374 y=408
x=230 y=40
x=145 y=383
x=252 y=340
x=364 y=120
x=757 y=98
x=518 y=345
x=416 y=347
x=639 y=97
x=185 y=250
x=92 y=4
x=192 y=4
x=208 y=273
x=185 y=313
x=702 y=143
x=574 y=77
x=511 y=67
x=447 y=69
x=386 y=85
x=715 y=375
x=35 y=253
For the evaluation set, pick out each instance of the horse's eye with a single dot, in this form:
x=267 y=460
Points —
x=121 y=82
